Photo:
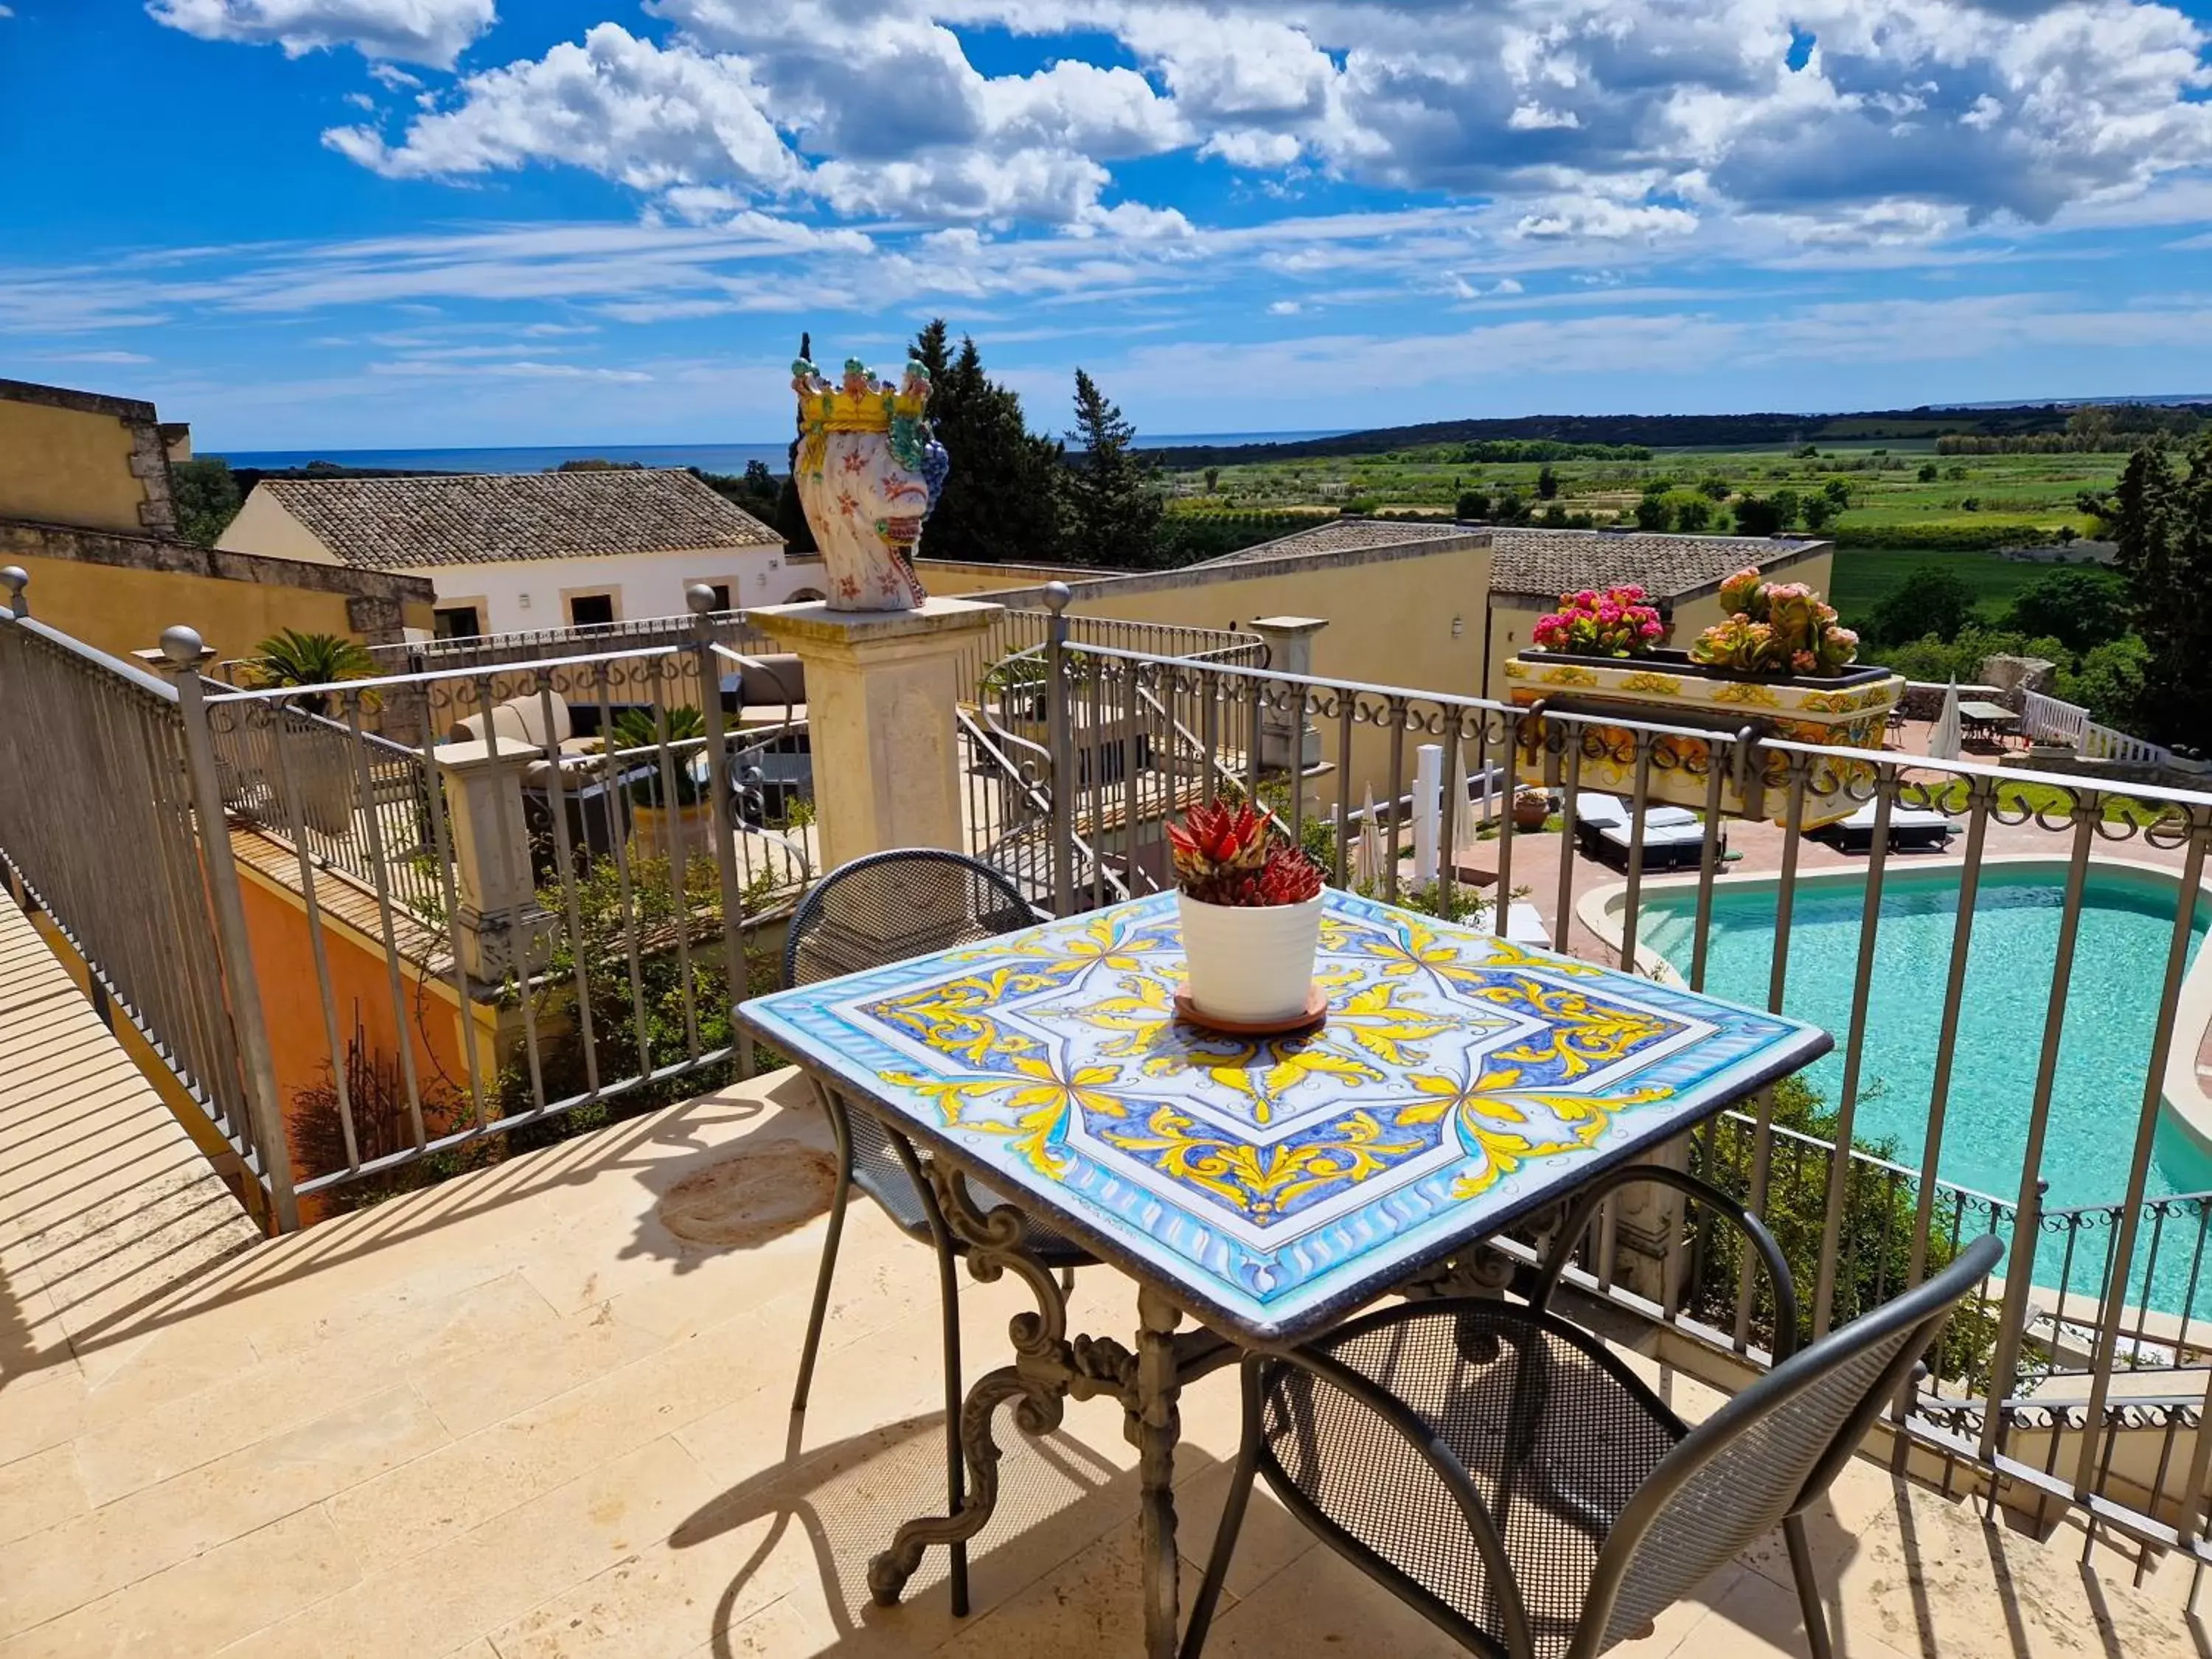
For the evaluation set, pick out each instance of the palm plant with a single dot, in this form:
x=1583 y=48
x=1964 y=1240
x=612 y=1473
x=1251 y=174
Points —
x=292 y=658
x=635 y=728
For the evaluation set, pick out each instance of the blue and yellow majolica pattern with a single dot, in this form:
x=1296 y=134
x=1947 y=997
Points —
x=1454 y=1070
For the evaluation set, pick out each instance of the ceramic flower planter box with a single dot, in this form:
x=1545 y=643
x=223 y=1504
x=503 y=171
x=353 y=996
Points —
x=1847 y=710
x=1250 y=965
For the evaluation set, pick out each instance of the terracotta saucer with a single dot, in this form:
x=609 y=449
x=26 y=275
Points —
x=1316 y=1010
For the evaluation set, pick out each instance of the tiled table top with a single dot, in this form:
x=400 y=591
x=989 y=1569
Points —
x=1459 y=1083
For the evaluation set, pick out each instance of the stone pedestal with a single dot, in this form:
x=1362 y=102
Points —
x=882 y=696
x=501 y=919
x=1286 y=742
x=1647 y=1220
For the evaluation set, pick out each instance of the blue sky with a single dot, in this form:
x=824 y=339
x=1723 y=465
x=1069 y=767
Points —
x=303 y=223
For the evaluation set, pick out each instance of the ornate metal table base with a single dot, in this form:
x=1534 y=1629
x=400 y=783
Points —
x=1049 y=1368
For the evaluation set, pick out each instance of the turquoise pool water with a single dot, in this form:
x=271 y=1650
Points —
x=2111 y=1011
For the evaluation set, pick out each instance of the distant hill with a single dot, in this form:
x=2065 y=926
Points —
x=1663 y=431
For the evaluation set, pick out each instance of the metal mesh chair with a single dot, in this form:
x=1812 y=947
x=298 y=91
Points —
x=886 y=907
x=1501 y=1471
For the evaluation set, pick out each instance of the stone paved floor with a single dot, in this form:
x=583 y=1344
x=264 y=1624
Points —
x=519 y=1415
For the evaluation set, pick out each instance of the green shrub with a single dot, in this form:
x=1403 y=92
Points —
x=1874 y=1256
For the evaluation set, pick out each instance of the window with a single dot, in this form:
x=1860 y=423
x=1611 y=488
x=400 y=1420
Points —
x=721 y=595
x=591 y=610
x=456 y=621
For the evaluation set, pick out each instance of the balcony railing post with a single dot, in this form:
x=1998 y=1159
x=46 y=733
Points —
x=700 y=598
x=17 y=581
x=184 y=651
x=1060 y=744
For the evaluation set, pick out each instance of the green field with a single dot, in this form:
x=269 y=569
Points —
x=2030 y=497
x=1884 y=479
x=1865 y=575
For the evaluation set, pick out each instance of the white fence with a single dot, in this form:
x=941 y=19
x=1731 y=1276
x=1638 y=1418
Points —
x=2049 y=719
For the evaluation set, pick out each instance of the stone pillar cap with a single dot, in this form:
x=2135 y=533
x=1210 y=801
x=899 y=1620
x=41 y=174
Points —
x=1289 y=624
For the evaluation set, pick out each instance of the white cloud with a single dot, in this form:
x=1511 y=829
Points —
x=1584 y=121
x=615 y=105
x=431 y=32
x=116 y=357
x=1284 y=309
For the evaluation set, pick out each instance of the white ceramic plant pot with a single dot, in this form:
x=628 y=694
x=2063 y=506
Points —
x=1250 y=966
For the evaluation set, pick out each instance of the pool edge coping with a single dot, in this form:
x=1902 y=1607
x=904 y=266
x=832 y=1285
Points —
x=2181 y=1093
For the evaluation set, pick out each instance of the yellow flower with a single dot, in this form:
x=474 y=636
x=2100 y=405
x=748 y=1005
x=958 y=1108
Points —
x=1031 y=1106
x=1264 y=1182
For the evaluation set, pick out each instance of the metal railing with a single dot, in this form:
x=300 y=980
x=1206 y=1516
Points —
x=1004 y=654
x=587 y=865
x=1131 y=736
x=621 y=837
x=108 y=783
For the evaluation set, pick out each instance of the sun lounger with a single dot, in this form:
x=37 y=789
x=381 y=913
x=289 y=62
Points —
x=1909 y=827
x=1673 y=835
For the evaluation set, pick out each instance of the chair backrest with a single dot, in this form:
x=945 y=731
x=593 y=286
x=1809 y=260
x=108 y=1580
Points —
x=766 y=680
x=530 y=710
x=888 y=907
x=1764 y=1454
x=507 y=721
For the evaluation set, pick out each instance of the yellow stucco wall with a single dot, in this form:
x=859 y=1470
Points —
x=952 y=579
x=264 y=526
x=68 y=466
x=120 y=610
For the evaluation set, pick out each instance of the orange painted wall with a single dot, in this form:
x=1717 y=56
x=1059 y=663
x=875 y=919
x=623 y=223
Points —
x=291 y=1001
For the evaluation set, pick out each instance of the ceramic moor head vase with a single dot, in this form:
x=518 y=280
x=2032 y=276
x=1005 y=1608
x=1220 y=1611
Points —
x=869 y=471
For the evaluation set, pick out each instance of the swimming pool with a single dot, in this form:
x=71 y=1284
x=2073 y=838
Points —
x=2111 y=1011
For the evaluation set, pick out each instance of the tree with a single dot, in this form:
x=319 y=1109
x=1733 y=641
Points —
x=1839 y=493
x=1002 y=502
x=1112 y=508
x=2109 y=683
x=759 y=492
x=1653 y=512
x=1816 y=511
x=1212 y=479
x=1693 y=511
x=1755 y=517
x=206 y=497
x=1930 y=473
x=1787 y=506
x=2084 y=608
x=2162 y=523
x=1547 y=483
x=1473 y=504
x=1713 y=486
x=1932 y=601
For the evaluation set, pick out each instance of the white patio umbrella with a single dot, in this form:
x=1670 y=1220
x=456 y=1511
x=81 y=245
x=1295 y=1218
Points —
x=1459 y=832
x=1367 y=850
x=1943 y=741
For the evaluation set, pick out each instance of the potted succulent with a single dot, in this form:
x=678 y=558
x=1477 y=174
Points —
x=1251 y=909
x=1777 y=661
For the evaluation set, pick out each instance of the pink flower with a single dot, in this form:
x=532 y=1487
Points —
x=1651 y=630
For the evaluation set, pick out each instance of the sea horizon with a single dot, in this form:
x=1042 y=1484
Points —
x=708 y=458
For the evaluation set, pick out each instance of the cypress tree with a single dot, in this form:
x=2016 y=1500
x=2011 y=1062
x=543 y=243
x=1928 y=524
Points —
x=1114 y=511
x=1002 y=502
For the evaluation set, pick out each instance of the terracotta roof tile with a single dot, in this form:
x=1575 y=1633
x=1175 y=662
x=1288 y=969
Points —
x=1547 y=562
x=403 y=523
